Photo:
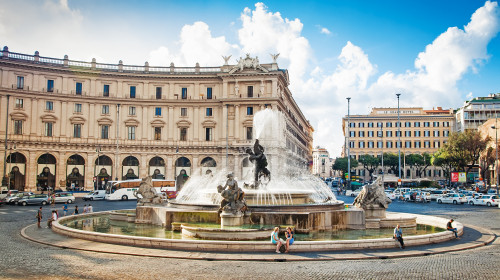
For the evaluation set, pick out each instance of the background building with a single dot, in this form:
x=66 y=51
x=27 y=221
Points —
x=71 y=121
x=322 y=164
x=422 y=131
x=476 y=111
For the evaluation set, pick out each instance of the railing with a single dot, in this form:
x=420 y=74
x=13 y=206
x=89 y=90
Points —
x=106 y=67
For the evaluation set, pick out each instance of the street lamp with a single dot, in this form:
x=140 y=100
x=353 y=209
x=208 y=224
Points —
x=348 y=144
x=98 y=150
x=382 y=149
x=496 y=152
x=399 y=140
x=4 y=178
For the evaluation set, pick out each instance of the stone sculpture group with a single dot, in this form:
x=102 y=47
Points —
x=147 y=192
x=372 y=195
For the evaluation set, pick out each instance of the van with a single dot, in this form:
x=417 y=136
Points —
x=437 y=193
x=95 y=195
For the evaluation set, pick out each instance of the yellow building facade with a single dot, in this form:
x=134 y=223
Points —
x=67 y=123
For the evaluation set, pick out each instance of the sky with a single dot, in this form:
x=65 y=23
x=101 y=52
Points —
x=435 y=53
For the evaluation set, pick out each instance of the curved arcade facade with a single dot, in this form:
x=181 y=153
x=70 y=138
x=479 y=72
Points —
x=68 y=124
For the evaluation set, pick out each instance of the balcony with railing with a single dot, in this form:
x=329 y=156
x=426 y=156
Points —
x=105 y=67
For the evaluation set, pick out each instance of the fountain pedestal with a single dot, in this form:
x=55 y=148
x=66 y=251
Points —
x=230 y=219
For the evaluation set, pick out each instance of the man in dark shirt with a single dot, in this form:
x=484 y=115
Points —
x=451 y=228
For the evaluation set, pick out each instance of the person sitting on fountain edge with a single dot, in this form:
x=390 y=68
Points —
x=289 y=238
x=276 y=240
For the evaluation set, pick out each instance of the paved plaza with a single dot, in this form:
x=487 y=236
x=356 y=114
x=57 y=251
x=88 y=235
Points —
x=23 y=259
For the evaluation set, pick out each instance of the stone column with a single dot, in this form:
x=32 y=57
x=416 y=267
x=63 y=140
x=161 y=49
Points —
x=170 y=168
x=224 y=122
x=170 y=133
x=34 y=117
x=145 y=123
x=31 y=171
x=63 y=119
x=89 y=170
x=92 y=124
x=61 y=168
x=237 y=125
x=143 y=166
x=196 y=124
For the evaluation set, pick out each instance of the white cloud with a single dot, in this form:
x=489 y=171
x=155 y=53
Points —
x=325 y=30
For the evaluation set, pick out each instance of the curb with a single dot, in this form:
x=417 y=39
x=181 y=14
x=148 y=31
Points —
x=217 y=256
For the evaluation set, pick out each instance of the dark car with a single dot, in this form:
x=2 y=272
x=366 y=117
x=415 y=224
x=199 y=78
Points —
x=42 y=199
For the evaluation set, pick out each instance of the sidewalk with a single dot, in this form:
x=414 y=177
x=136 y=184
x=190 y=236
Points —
x=473 y=237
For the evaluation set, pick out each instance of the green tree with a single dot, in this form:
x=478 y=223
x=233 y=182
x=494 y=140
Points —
x=486 y=160
x=391 y=161
x=465 y=148
x=419 y=162
x=341 y=164
x=443 y=159
x=370 y=163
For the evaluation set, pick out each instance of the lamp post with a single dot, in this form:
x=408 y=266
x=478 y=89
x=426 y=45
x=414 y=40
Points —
x=348 y=144
x=496 y=152
x=10 y=163
x=382 y=149
x=399 y=141
x=98 y=150
x=4 y=178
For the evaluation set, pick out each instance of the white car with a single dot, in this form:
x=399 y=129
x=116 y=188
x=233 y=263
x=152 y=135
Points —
x=454 y=198
x=390 y=195
x=488 y=200
x=355 y=193
x=95 y=195
x=64 y=197
x=437 y=193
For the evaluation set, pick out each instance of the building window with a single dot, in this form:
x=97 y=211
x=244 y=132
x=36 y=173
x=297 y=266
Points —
x=209 y=93
x=208 y=133
x=78 y=108
x=361 y=124
x=50 y=85
x=417 y=144
x=105 y=109
x=446 y=124
x=446 y=133
x=370 y=144
x=435 y=124
x=157 y=133
x=105 y=131
x=437 y=144
x=427 y=133
x=78 y=88
x=184 y=112
x=351 y=144
x=249 y=133
x=416 y=124
x=105 y=91
x=77 y=130
x=370 y=124
x=250 y=91
x=48 y=128
x=436 y=133
x=132 y=91
x=158 y=93
x=361 y=144
x=184 y=93
x=407 y=144
x=427 y=144
x=370 y=133
x=380 y=144
x=379 y=124
x=398 y=124
x=158 y=111
x=352 y=124
x=18 y=127
x=407 y=133
x=398 y=133
x=352 y=133
x=49 y=105
x=249 y=111
x=388 y=144
x=427 y=124
x=131 y=111
x=131 y=132
x=388 y=133
x=19 y=103
x=407 y=124
x=388 y=124
x=361 y=134
x=20 y=82
x=209 y=112
x=183 y=134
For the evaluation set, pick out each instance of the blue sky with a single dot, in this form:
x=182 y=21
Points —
x=366 y=50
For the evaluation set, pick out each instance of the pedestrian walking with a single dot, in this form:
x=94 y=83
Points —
x=65 y=208
x=76 y=212
x=449 y=227
x=90 y=209
x=398 y=235
x=39 y=216
x=85 y=209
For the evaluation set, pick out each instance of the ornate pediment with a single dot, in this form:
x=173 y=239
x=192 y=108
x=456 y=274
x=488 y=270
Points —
x=157 y=123
x=19 y=116
x=248 y=63
x=48 y=118
x=208 y=123
x=77 y=120
x=247 y=123
x=104 y=121
x=131 y=122
x=183 y=123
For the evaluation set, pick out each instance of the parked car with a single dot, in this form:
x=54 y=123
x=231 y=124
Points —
x=13 y=199
x=418 y=196
x=5 y=192
x=437 y=193
x=355 y=192
x=64 y=197
x=454 y=198
x=390 y=195
x=488 y=200
x=42 y=199
x=95 y=195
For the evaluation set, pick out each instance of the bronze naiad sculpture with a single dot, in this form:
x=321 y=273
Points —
x=372 y=194
x=257 y=157
x=233 y=196
x=148 y=192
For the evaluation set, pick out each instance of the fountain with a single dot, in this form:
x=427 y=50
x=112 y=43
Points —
x=217 y=209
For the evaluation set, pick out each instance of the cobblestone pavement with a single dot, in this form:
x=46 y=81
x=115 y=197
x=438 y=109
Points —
x=22 y=259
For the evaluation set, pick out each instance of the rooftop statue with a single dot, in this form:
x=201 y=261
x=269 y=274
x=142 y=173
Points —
x=248 y=62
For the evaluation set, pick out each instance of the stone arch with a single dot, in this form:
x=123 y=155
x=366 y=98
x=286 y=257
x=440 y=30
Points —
x=75 y=173
x=16 y=166
x=157 y=167
x=130 y=168
x=182 y=171
x=103 y=168
x=46 y=170
x=208 y=165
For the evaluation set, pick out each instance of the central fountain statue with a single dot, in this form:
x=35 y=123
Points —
x=261 y=173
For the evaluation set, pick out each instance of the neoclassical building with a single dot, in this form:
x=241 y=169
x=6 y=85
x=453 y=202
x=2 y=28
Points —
x=322 y=165
x=68 y=123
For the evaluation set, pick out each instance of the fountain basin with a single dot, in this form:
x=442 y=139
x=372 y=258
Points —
x=226 y=233
x=258 y=246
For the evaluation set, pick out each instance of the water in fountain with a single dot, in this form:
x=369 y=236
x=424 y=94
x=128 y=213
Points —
x=289 y=172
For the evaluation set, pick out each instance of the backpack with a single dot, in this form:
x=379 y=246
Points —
x=282 y=248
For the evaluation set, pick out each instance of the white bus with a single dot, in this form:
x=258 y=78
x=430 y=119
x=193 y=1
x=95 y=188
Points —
x=124 y=190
